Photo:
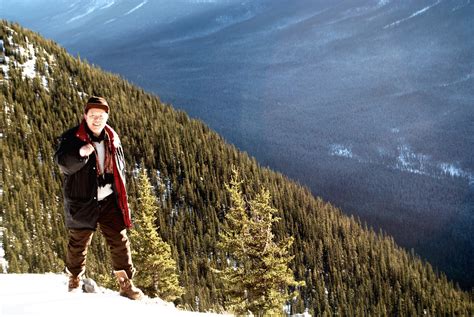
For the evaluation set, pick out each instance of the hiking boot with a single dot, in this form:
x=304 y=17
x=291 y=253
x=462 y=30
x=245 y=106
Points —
x=127 y=289
x=74 y=283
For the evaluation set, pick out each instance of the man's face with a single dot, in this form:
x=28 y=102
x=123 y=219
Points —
x=96 y=120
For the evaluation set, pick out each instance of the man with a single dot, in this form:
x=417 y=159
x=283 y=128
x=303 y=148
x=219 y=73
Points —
x=91 y=158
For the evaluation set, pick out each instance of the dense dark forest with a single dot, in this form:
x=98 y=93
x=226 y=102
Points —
x=348 y=268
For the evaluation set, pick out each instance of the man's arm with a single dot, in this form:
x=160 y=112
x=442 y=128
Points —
x=67 y=156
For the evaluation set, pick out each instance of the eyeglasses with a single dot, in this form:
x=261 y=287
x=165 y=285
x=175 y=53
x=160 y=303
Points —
x=98 y=117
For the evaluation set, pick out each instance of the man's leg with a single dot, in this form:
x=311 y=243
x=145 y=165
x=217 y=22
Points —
x=115 y=233
x=79 y=241
x=119 y=249
x=113 y=228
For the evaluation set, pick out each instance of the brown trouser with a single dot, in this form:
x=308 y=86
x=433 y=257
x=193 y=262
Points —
x=114 y=231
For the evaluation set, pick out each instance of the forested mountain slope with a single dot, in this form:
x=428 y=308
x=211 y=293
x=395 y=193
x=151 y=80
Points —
x=348 y=268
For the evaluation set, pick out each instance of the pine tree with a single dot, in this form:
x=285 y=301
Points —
x=156 y=267
x=257 y=277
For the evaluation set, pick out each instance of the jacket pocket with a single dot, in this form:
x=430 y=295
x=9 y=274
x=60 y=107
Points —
x=80 y=186
x=82 y=214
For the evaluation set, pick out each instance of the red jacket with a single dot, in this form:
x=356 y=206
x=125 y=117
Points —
x=80 y=178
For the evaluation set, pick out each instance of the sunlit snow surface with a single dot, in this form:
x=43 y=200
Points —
x=47 y=295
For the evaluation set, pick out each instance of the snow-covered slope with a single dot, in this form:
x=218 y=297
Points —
x=46 y=295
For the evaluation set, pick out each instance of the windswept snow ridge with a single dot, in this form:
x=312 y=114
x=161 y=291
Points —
x=413 y=15
x=108 y=5
x=97 y=5
x=80 y=16
x=137 y=7
x=460 y=80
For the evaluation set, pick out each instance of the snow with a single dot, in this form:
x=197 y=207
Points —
x=468 y=2
x=97 y=5
x=3 y=262
x=108 y=5
x=413 y=15
x=340 y=150
x=454 y=170
x=460 y=80
x=29 y=65
x=4 y=67
x=137 y=7
x=405 y=159
x=411 y=162
x=80 y=16
x=202 y=1
x=423 y=164
x=28 y=68
x=38 y=295
x=450 y=169
x=286 y=23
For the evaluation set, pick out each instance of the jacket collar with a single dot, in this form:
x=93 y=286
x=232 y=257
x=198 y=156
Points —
x=82 y=134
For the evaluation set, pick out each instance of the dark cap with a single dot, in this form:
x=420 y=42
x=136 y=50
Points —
x=96 y=102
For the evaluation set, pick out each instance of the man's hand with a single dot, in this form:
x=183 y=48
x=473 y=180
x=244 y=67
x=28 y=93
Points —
x=86 y=150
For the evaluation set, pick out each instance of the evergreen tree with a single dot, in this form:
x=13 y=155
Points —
x=156 y=267
x=257 y=277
